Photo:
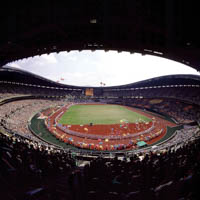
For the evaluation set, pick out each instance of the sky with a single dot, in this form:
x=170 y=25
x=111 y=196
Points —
x=87 y=68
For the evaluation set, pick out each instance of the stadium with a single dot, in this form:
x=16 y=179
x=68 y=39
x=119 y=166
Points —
x=134 y=141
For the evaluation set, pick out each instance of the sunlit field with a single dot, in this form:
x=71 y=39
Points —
x=100 y=114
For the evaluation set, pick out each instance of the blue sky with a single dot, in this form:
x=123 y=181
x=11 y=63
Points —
x=88 y=68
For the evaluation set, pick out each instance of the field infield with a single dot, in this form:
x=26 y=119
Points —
x=100 y=114
x=114 y=127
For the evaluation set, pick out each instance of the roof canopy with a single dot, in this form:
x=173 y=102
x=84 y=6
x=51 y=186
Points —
x=167 y=28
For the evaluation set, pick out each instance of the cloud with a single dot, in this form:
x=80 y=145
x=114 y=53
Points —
x=49 y=58
x=15 y=65
x=90 y=68
x=81 y=79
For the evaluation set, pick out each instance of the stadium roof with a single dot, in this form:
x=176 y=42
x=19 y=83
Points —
x=20 y=76
x=166 y=28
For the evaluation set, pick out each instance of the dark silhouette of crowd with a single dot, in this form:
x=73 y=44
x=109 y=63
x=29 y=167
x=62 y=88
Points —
x=33 y=170
x=27 y=167
x=30 y=170
x=170 y=175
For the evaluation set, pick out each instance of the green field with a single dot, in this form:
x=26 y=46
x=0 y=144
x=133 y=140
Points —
x=100 y=114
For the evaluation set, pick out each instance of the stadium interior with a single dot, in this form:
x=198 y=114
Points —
x=36 y=165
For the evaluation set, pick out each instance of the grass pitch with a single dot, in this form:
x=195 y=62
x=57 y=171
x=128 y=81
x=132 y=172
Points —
x=100 y=114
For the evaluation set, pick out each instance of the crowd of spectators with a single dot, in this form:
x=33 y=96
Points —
x=190 y=94
x=8 y=90
x=182 y=112
x=28 y=167
x=181 y=137
x=15 y=115
x=169 y=174
x=31 y=169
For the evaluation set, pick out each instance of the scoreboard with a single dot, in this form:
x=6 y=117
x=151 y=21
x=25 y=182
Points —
x=89 y=92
